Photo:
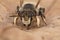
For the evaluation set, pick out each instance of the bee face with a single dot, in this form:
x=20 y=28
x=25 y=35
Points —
x=26 y=17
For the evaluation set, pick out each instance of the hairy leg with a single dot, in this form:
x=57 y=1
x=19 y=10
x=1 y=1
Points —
x=15 y=19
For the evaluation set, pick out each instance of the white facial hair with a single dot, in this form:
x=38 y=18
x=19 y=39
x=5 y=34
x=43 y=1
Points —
x=26 y=22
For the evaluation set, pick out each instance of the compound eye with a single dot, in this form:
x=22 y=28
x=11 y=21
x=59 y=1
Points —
x=21 y=13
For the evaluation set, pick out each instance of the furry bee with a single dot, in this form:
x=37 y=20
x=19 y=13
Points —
x=28 y=12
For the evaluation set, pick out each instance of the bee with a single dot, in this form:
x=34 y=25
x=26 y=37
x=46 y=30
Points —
x=28 y=12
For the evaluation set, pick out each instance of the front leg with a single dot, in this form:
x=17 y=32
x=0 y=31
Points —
x=41 y=13
x=44 y=20
x=38 y=21
x=15 y=20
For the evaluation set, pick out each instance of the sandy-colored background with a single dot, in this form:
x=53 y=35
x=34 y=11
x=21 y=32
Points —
x=49 y=32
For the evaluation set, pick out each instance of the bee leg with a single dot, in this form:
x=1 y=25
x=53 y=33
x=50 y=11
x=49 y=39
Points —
x=41 y=13
x=15 y=19
x=38 y=21
x=44 y=20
